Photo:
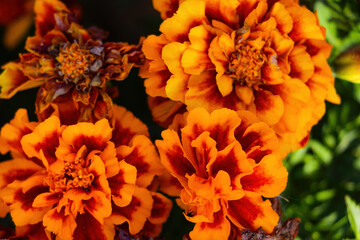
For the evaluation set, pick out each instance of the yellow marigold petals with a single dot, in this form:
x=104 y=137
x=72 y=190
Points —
x=189 y=14
x=88 y=175
x=243 y=55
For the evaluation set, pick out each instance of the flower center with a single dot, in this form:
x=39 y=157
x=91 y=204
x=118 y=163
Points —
x=245 y=64
x=79 y=65
x=74 y=175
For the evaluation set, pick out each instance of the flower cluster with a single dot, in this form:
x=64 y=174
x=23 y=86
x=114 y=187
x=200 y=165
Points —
x=225 y=163
x=64 y=179
x=237 y=84
x=268 y=57
x=71 y=64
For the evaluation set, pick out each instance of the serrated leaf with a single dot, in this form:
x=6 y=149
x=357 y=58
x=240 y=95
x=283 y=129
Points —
x=353 y=211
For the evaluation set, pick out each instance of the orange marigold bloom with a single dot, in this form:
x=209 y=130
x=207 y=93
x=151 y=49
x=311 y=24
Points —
x=71 y=64
x=79 y=181
x=268 y=57
x=225 y=162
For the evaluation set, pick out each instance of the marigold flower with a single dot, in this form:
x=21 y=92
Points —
x=71 y=64
x=268 y=57
x=79 y=181
x=225 y=162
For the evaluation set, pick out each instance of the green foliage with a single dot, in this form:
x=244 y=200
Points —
x=342 y=22
x=328 y=169
x=353 y=211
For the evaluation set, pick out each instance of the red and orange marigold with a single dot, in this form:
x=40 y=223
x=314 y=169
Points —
x=80 y=181
x=265 y=56
x=71 y=64
x=225 y=162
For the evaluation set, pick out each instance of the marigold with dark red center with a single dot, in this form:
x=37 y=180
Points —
x=225 y=163
x=71 y=64
x=268 y=57
x=80 y=181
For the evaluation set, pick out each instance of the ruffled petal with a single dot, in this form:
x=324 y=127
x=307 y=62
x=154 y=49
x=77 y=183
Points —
x=269 y=107
x=47 y=199
x=204 y=150
x=164 y=110
x=126 y=126
x=284 y=22
x=177 y=84
x=93 y=136
x=161 y=208
x=13 y=79
x=218 y=229
x=88 y=228
x=204 y=92
x=190 y=14
x=43 y=141
x=224 y=11
x=20 y=196
x=301 y=64
x=252 y=212
x=268 y=179
x=136 y=213
x=258 y=140
x=99 y=206
x=143 y=156
x=232 y=160
x=123 y=184
x=17 y=169
x=172 y=155
x=169 y=184
x=305 y=25
x=155 y=83
x=108 y=156
x=12 y=133
x=45 y=19
x=152 y=48
x=35 y=231
x=60 y=224
x=195 y=58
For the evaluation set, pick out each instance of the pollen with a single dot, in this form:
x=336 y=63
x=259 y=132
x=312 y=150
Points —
x=74 y=61
x=245 y=64
x=74 y=175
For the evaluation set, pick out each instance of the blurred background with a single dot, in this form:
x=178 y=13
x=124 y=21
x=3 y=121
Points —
x=320 y=175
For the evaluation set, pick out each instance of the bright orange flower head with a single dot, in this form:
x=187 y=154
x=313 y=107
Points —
x=71 y=64
x=79 y=181
x=268 y=57
x=225 y=163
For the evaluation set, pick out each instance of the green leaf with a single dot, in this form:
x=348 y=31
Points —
x=354 y=216
x=321 y=151
x=325 y=13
